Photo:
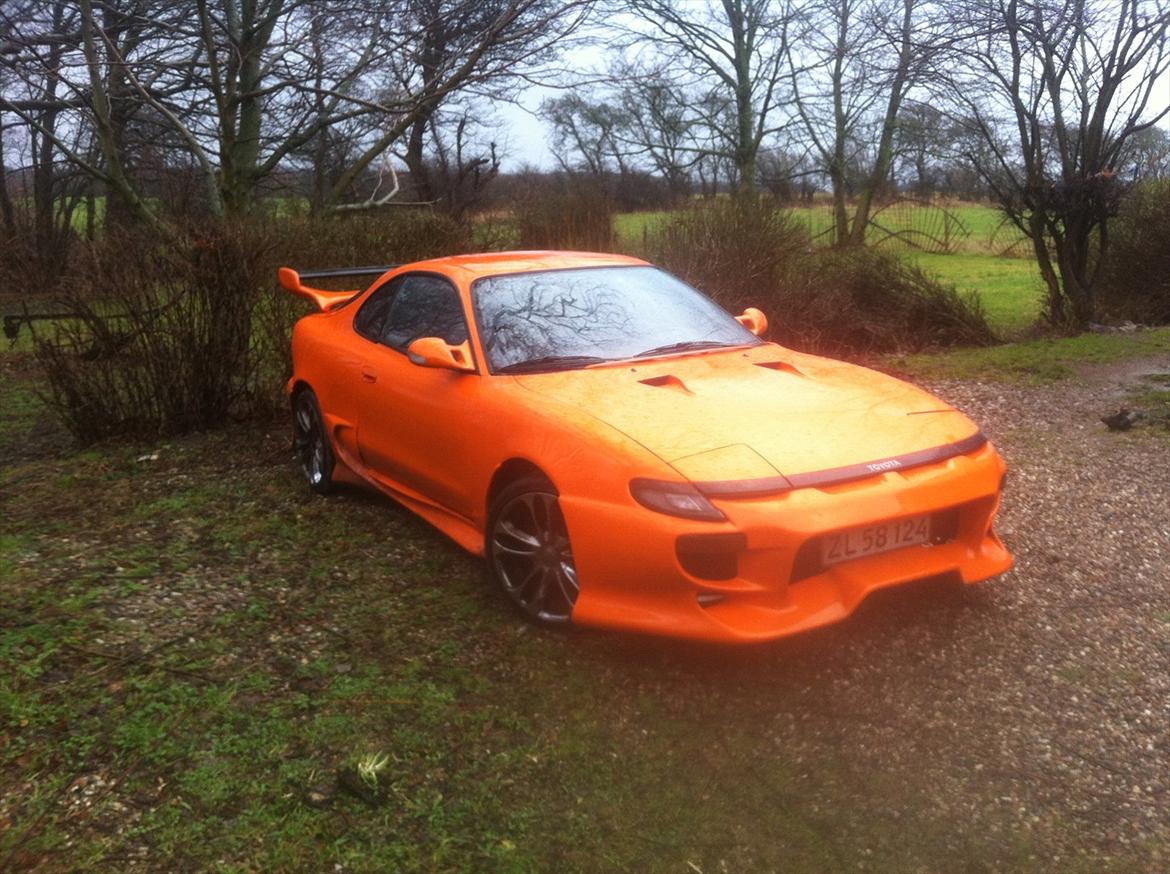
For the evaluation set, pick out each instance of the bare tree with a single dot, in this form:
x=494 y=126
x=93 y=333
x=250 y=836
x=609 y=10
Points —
x=586 y=134
x=658 y=125
x=1056 y=91
x=463 y=46
x=851 y=67
x=242 y=91
x=733 y=47
x=35 y=40
x=461 y=165
x=1147 y=155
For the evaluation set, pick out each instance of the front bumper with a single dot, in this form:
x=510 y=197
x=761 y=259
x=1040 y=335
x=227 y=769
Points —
x=632 y=577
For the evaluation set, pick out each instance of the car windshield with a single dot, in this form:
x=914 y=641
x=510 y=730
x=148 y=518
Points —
x=566 y=319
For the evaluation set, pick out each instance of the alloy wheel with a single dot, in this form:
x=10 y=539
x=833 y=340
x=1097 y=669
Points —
x=533 y=558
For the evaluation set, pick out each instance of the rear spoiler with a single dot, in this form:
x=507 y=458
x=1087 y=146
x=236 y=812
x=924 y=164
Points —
x=290 y=280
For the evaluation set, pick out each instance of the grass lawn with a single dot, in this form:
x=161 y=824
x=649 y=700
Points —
x=203 y=667
x=1034 y=361
x=186 y=676
x=1010 y=289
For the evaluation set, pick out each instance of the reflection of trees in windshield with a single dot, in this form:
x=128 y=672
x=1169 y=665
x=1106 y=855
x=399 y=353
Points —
x=536 y=317
x=607 y=312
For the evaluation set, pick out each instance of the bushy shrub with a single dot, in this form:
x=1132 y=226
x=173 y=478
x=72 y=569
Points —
x=566 y=212
x=33 y=267
x=183 y=334
x=848 y=301
x=1135 y=284
x=744 y=252
x=361 y=239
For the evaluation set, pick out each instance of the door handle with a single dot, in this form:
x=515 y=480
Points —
x=369 y=375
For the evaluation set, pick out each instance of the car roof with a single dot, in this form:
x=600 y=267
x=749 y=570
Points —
x=496 y=263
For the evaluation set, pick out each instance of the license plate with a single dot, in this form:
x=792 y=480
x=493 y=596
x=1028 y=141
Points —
x=874 y=539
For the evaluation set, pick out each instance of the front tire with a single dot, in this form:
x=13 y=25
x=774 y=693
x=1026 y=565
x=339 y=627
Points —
x=311 y=442
x=529 y=552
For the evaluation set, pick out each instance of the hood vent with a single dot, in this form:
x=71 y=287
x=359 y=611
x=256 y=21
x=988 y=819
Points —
x=669 y=380
x=782 y=366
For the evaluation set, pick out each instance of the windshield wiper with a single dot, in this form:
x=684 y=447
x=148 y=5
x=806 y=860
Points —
x=551 y=362
x=684 y=346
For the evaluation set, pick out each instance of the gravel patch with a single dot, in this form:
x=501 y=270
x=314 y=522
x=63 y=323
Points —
x=1074 y=667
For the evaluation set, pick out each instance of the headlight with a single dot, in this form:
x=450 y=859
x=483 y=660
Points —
x=674 y=499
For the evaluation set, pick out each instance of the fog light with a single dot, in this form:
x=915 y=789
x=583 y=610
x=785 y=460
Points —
x=711 y=556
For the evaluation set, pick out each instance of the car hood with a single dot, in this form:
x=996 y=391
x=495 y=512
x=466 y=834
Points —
x=759 y=412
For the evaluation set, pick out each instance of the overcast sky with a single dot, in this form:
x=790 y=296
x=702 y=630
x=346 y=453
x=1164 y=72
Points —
x=525 y=138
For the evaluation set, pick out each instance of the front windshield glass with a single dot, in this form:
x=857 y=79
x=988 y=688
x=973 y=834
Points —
x=564 y=319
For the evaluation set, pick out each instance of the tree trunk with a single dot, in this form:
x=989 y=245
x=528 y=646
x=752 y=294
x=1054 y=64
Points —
x=7 y=212
x=239 y=171
x=119 y=210
x=840 y=132
x=885 y=153
x=420 y=180
x=745 y=133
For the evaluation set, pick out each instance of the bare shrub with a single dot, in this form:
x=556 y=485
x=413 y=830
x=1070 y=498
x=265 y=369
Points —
x=567 y=212
x=1135 y=284
x=750 y=253
x=734 y=249
x=162 y=342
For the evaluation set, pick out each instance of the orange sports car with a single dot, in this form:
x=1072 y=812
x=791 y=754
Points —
x=626 y=454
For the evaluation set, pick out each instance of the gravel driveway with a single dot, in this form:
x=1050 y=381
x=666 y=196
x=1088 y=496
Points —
x=1043 y=718
x=1072 y=709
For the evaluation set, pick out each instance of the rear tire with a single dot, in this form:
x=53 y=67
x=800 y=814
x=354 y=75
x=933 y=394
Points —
x=311 y=442
x=529 y=553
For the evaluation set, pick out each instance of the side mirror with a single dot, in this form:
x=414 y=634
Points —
x=433 y=352
x=754 y=320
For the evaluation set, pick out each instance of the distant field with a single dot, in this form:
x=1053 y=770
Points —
x=960 y=227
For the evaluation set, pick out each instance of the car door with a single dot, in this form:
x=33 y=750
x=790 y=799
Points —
x=414 y=422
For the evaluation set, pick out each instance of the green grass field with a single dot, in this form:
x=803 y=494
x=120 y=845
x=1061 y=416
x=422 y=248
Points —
x=1010 y=289
x=969 y=228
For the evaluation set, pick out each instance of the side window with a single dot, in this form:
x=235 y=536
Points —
x=424 y=306
x=370 y=320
